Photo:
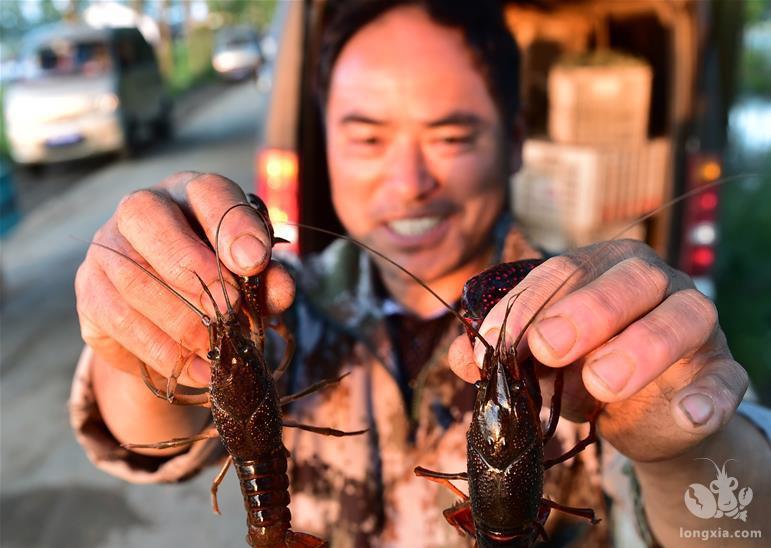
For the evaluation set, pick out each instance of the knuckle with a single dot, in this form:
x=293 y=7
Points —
x=605 y=306
x=697 y=305
x=208 y=183
x=561 y=266
x=728 y=383
x=122 y=319
x=183 y=258
x=643 y=274
x=135 y=205
x=661 y=337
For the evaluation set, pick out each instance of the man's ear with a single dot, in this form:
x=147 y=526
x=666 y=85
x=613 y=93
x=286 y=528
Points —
x=517 y=140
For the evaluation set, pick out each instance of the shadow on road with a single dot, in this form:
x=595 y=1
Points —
x=53 y=516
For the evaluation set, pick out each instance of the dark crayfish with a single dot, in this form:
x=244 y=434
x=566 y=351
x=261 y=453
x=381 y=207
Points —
x=505 y=441
x=246 y=407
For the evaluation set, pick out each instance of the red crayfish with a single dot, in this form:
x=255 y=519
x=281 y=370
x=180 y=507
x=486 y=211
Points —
x=246 y=407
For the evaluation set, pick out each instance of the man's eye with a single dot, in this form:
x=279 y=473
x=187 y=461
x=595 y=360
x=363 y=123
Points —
x=456 y=139
x=366 y=141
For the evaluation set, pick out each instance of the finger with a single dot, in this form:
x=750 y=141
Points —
x=155 y=227
x=559 y=276
x=243 y=241
x=645 y=349
x=581 y=321
x=710 y=400
x=110 y=317
x=182 y=321
x=461 y=359
x=280 y=288
x=544 y=284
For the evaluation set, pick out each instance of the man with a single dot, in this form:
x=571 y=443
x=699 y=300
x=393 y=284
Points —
x=422 y=137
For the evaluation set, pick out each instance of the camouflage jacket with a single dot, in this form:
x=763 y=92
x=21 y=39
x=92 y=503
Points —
x=361 y=490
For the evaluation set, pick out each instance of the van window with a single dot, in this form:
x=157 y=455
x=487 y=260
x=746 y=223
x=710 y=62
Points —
x=68 y=58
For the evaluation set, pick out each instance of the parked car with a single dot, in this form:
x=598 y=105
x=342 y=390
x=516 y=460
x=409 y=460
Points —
x=83 y=91
x=237 y=52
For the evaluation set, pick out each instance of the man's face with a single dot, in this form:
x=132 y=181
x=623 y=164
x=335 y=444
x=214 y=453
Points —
x=417 y=154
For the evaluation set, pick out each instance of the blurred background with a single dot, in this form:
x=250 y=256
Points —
x=628 y=105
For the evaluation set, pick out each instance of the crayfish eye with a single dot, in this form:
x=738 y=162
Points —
x=213 y=354
x=477 y=385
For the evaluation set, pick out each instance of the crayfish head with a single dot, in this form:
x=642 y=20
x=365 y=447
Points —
x=502 y=418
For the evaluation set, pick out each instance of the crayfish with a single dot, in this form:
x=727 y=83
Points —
x=505 y=441
x=245 y=405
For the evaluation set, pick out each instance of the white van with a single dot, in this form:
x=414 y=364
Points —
x=83 y=91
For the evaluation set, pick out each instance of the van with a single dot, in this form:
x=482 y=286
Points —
x=291 y=172
x=82 y=91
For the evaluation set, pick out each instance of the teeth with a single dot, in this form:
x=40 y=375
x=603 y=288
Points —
x=414 y=227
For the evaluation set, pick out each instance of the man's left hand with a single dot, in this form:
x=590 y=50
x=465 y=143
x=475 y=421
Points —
x=635 y=335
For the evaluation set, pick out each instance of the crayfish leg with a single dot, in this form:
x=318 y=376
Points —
x=215 y=484
x=322 y=430
x=459 y=516
x=444 y=479
x=586 y=513
x=285 y=400
x=201 y=400
x=590 y=438
x=555 y=407
x=281 y=328
x=174 y=442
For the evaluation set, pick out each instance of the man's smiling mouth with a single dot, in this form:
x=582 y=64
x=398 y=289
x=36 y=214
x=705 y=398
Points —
x=415 y=226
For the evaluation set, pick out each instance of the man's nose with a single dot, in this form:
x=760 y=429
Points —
x=408 y=174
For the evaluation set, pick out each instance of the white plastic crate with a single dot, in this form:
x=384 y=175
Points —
x=578 y=189
x=599 y=104
x=555 y=240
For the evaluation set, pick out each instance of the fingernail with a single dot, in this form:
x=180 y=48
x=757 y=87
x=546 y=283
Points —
x=559 y=334
x=491 y=336
x=200 y=371
x=698 y=408
x=248 y=252
x=612 y=370
x=216 y=290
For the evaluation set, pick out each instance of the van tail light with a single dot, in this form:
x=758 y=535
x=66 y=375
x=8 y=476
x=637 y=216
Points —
x=700 y=217
x=278 y=185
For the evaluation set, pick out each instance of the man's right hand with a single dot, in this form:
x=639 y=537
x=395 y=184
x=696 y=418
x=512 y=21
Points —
x=126 y=317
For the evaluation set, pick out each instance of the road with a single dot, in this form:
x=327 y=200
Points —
x=51 y=495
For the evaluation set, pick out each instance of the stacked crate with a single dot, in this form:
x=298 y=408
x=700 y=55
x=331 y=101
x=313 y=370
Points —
x=598 y=170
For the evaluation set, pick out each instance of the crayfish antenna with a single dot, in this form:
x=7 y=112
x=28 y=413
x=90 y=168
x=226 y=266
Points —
x=262 y=211
x=501 y=343
x=390 y=261
x=200 y=313
x=211 y=297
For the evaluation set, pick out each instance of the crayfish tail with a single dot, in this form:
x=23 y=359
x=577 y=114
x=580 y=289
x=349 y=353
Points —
x=304 y=540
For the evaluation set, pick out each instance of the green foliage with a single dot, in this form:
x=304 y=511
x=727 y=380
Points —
x=743 y=273
x=192 y=60
x=4 y=150
x=257 y=12
x=755 y=72
x=756 y=10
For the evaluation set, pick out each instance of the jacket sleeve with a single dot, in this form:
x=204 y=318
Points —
x=630 y=526
x=105 y=452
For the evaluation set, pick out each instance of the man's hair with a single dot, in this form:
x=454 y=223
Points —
x=481 y=22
